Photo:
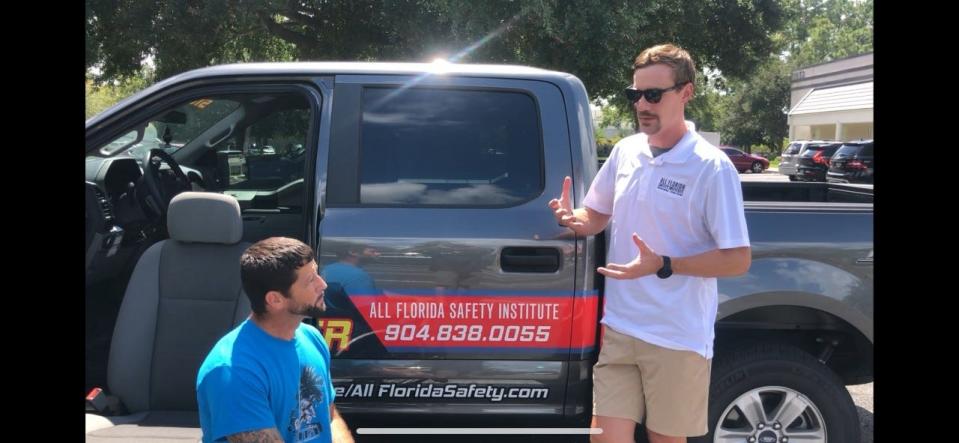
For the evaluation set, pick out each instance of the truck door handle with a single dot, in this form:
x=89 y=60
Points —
x=529 y=259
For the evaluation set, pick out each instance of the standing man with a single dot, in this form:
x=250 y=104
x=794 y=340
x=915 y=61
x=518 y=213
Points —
x=677 y=222
x=268 y=380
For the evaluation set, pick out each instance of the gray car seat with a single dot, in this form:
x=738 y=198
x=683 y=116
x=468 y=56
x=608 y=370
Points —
x=184 y=294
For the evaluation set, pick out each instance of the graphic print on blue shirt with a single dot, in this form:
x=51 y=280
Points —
x=311 y=394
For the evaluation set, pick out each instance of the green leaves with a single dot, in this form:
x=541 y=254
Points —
x=595 y=40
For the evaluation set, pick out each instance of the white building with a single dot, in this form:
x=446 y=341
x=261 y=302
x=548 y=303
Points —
x=833 y=101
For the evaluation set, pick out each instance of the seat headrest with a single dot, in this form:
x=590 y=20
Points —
x=205 y=217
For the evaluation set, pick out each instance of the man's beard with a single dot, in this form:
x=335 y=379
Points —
x=310 y=310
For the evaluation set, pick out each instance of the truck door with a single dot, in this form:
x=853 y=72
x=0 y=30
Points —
x=451 y=285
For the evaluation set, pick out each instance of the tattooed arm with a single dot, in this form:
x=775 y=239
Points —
x=270 y=435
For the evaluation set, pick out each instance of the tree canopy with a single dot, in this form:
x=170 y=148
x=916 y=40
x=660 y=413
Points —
x=596 y=40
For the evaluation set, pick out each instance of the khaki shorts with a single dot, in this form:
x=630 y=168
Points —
x=637 y=380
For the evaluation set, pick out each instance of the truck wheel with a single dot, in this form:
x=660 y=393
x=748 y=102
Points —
x=771 y=391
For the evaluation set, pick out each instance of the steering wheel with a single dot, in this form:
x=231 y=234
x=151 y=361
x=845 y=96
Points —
x=159 y=194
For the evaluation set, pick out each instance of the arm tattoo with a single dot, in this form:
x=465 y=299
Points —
x=270 y=435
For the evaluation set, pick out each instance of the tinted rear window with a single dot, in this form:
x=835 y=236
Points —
x=792 y=149
x=449 y=148
x=848 y=150
x=811 y=150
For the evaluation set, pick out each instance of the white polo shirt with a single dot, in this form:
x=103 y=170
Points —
x=685 y=202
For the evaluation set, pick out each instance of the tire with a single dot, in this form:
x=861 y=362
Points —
x=757 y=168
x=778 y=375
x=792 y=178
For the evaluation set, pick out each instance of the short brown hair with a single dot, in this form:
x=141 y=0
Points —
x=684 y=70
x=271 y=265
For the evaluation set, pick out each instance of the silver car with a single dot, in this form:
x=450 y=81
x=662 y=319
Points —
x=789 y=165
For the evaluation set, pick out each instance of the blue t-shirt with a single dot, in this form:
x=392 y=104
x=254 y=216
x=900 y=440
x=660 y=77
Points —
x=252 y=380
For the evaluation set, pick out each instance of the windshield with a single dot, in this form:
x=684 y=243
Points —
x=173 y=129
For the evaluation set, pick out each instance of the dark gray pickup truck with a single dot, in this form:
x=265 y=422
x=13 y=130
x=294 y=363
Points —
x=454 y=298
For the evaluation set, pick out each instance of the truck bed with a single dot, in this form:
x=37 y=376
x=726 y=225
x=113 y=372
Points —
x=794 y=192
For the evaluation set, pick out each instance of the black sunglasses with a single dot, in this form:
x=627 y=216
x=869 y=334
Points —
x=653 y=95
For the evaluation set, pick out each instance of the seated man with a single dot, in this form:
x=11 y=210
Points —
x=269 y=378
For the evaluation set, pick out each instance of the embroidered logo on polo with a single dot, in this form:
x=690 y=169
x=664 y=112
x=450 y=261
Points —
x=671 y=186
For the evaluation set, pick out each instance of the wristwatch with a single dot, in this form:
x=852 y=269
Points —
x=667 y=268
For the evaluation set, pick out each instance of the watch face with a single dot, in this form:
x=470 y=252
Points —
x=666 y=270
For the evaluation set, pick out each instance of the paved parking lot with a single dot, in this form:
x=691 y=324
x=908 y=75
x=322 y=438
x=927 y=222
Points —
x=862 y=396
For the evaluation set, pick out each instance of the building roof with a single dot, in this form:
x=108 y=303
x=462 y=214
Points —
x=841 y=98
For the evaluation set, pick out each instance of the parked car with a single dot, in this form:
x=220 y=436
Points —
x=813 y=162
x=852 y=163
x=746 y=162
x=789 y=165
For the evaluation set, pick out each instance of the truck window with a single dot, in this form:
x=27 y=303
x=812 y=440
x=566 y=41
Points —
x=444 y=147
